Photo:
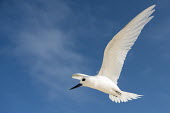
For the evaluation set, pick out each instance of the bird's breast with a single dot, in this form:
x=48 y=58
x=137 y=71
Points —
x=104 y=84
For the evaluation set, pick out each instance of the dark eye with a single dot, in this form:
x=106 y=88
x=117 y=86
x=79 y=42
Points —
x=83 y=79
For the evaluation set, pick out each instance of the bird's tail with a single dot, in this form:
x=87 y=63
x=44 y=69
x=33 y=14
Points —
x=124 y=97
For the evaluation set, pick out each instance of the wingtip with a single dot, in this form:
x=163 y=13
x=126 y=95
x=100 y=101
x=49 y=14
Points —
x=153 y=6
x=151 y=17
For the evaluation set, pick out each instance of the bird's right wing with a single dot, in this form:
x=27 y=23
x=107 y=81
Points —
x=117 y=49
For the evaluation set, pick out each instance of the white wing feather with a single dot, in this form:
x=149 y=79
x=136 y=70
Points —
x=117 y=49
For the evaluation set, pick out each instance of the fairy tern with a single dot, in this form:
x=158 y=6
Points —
x=113 y=60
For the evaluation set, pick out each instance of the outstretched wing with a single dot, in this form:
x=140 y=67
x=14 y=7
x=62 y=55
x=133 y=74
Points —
x=117 y=49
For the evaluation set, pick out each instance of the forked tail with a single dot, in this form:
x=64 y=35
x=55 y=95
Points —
x=124 y=97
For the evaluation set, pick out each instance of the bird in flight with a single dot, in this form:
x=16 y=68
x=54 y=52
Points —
x=113 y=60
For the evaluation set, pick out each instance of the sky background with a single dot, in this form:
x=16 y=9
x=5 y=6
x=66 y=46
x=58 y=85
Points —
x=43 y=42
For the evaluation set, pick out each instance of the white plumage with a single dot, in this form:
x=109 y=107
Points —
x=117 y=49
x=113 y=59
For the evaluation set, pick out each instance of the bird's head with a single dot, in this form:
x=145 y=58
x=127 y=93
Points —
x=84 y=80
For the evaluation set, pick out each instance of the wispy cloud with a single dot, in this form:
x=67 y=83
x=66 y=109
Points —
x=43 y=47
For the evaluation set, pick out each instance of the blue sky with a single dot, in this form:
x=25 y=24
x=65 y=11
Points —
x=43 y=42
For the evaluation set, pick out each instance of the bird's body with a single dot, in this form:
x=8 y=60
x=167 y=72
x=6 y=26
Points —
x=101 y=83
x=113 y=60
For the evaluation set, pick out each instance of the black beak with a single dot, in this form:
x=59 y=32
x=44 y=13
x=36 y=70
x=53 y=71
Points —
x=78 y=85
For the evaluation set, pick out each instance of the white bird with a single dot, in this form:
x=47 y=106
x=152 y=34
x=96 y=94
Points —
x=113 y=60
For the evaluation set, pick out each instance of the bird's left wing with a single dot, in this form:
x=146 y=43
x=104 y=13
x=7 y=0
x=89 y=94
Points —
x=117 y=49
x=78 y=76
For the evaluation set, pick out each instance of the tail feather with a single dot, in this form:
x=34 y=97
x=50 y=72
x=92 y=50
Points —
x=124 y=97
